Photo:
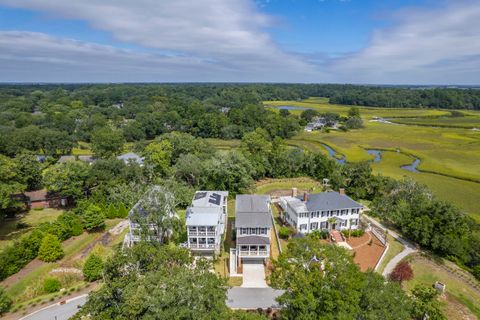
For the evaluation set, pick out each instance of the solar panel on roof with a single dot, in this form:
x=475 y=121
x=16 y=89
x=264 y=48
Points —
x=215 y=198
x=200 y=195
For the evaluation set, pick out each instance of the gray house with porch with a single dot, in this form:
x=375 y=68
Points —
x=253 y=223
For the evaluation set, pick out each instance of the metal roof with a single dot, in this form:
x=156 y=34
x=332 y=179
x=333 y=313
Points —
x=330 y=200
x=252 y=211
x=209 y=198
x=198 y=216
x=126 y=157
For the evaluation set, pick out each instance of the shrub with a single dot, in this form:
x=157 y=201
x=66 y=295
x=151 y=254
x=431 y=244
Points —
x=285 y=232
x=93 y=218
x=112 y=212
x=353 y=233
x=319 y=234
x=402 y=272
x=122 y=211
x=93 y=268
x=72 y=223
x=50 y=249
x=5 y=302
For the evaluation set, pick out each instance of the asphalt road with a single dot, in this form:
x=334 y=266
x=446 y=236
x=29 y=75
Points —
x=58 y=311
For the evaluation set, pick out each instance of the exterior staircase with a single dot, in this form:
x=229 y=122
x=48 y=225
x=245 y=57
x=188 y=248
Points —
x=336 y=236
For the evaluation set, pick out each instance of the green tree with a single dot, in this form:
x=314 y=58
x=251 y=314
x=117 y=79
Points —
x=158 y=156
x=5 y=301
x=107 y=142
x=93 y=218
x=319 y=280
x=29 y=170
x=353 y=112
x=51 y=249
x=354 y=123
x=425 y=303
x=67 y=178
x=9 y=184
x=153 y=282
x=383 y=300
x=93 y=268
x=72 y=223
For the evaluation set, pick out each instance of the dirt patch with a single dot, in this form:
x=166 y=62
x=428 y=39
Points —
x=367 y=250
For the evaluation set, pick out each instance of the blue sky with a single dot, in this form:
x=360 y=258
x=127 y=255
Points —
x=341 y=41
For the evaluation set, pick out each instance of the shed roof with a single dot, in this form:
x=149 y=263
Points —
x=253 y=240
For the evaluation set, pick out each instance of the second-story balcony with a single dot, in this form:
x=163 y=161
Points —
x=202 y=233
x=246 y=253
x=201 y=246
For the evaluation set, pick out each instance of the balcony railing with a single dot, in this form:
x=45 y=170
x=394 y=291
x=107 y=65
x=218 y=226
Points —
x=201 y=246
x=201 y=233
x=253 y=253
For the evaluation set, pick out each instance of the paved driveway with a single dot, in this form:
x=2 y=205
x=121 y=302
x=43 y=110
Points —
x=58 y=311
x=254 y=274
x=253 y=298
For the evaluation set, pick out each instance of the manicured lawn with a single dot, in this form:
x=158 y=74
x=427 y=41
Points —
x=426 y=272
x=268 y=186
x=394 y=248
x=8 y=228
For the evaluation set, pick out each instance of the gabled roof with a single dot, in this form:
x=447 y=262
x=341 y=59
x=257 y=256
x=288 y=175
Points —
x=252 y=211
x=203 y=216
x=330 y=200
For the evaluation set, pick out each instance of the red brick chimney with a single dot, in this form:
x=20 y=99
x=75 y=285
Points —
x=341 y=191
x=305 y=197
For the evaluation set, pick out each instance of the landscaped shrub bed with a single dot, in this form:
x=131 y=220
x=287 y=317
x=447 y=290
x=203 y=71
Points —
x=353 y=233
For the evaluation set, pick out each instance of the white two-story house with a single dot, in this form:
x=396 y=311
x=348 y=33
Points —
x=322 y=211
x=253 y=223
x=146 y=216
x=206 y=221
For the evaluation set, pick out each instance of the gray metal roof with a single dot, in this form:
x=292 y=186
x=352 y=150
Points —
x=253 y=240
x=200 y=216
x=330 y=200
x=252 y=211
x=126 y=157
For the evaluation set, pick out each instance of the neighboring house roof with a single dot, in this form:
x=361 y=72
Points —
x=202 y=217
x=41 y=195
x=252 y=211
x=151 y=198
x=88 y=159
x=330 y=200
x=209 y=198
x=253 y=240
x=130 y=156
x=296 y=204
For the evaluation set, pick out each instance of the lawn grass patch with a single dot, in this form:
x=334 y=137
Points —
x=394 y=248
x=266 y=186
x=221 y=144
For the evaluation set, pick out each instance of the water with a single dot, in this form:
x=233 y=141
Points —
x=412 y=167
x=331 y=153
x=291 y=108
x=376 y=153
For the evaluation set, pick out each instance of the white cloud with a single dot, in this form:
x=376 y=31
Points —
x=225 y=35
x=437 y=46
x=225 y=40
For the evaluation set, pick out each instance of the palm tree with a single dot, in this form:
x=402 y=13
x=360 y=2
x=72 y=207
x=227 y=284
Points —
x=331 y=221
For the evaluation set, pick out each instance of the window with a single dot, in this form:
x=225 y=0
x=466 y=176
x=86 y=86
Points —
x=193 y=240
x=263 y=230
x=211 y=229
x=324 y=225
x=201 y=229
x=211 y=240
x=314 y=226
x=243 y=231
x=303 y=227
x=324 y=214
x=344 y=212
x=192 y=229
x=262 y=248
x=244 y=248
x=353 y=222
x=253 y=230
x=315 y=214
x=202 y=240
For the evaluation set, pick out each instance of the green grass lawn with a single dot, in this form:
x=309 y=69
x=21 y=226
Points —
x=395 y=247
x=304 y=183
x=9 y=230
x=468 y=122
x=224 y=144
x=426 y=272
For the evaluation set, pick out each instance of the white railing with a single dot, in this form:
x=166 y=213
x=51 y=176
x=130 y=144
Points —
x=201 y=233
x=253 y=253
x=201 y=246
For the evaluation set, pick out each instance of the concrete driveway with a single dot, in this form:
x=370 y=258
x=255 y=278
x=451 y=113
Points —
x=253 y=274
